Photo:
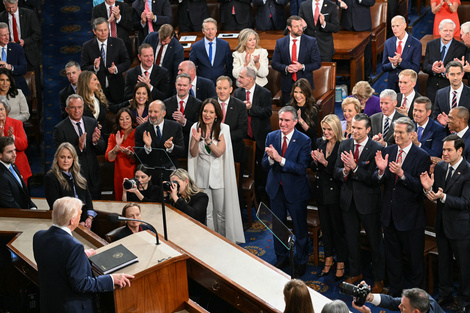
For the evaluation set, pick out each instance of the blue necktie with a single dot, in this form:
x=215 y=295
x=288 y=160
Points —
x=420 y=132
x=191 y=91
x=15 y=175
x=210 y=52
x=103 y=55
x=4 y=55
x=443 y=53
x=159 y=134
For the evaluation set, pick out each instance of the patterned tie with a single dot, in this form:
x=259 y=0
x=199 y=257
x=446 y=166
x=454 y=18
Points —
x=223 y=111
x=356 y=153
x=294 y=57
x=449 y=176
x=443 y=53
x=159 y=55
x=159 y=135
x=210 y=52
x=103 y=55
x=317 y=13
x=454 y=99
x=399 y=48
x=250 y=130
x=399 y=160
x=284 y=146
x=113 y=23
x=149 y=21
x=386 y=126
x=182 y=107
x=4 y=55
x=12 y=170
x=16 y=38
x=420 y=132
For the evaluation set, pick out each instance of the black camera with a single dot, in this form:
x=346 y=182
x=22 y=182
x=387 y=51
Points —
x=130 y=183
x=167 y=185
x=359 y=292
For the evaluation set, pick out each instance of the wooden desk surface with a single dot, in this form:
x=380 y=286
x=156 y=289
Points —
x=236 y=264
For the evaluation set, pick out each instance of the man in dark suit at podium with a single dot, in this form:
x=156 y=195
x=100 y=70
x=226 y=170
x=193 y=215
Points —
x=65 y=277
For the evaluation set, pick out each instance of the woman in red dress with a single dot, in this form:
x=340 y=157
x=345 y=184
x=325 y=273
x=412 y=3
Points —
x=120 y=149
x=443 y=9
x=14 y=128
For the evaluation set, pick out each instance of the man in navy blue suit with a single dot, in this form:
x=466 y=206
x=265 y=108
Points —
x=286 y=158
x=295 y=56
x=201 y=88
x=149 y=15
x=211 y=55
x=65 y=277
x=399 y=168
x=429 y=133
x=270 y=14
x=402 y=51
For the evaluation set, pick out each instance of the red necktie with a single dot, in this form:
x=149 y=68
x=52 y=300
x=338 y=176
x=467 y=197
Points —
x=356 y=153
x=399 y=48
x=146 y=73
x=149 y=21
x=159 y=55
x=250 y=130
x=404 y=103
x=223 y=111
x=113 y=23
x=399 y=159
x=284 y=146
x=182 y=107
x=317 y=13
x=15 y=29
x=294 y=57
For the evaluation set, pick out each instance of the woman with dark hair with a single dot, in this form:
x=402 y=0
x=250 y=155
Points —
x=94 y=101
x=326 y=190
x=297 y=297
x=64 y=180
x=142 y=189
x=120 y=149
x=19 y=109
x=131 y=210
x=140 y=102
x=301 y=98
x=188 y=197
x=210 y=162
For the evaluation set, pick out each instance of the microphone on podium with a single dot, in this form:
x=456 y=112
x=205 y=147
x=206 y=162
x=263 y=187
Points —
x=115 y=218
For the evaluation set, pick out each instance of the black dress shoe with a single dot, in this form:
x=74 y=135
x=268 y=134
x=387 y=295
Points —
x=281 y=263
x=444 y=300
x=299 y=270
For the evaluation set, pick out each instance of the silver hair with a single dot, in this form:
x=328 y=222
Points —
x=290 y=109
x=250 y=72
x=465 y=27
x=389 y=93
x=410 y=125
x=70 y=64
x=6 y=105
x=71 y=97
x=446 y=21
x=98 y=21
x=3 y=25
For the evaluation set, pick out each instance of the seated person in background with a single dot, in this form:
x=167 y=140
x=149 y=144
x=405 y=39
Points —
x=335 y=306
x=72 y=70
x=350 y=106
x=248 y=53
x=413 y=300
x=407 y=96
x=429 y=133
x=188 y=197
x=94 y=99
x=65 y=180
x=13 y=191
x=10 y=127
x=370 y=103
x=19 y=109
x=142 y=189
x=131 y=210
x=297 y=297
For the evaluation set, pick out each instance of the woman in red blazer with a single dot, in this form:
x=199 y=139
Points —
x=11 y=127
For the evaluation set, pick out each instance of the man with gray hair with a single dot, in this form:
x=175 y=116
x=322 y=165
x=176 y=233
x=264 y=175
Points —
x=439 y=52
x=65 y=277
x=403 y=219
x=382 y=122
x=72 y=70
x=107 y=57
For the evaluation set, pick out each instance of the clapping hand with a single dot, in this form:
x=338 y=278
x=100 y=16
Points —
x=381 y=162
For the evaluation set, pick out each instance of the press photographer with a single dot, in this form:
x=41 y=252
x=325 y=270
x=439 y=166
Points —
x=139 y=188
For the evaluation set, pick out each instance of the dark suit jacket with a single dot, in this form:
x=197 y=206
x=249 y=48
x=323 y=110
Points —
x=442 y=101
x=411 y=104
x=65 y=132
x=12 y=195
x=161 y=9
x=205 y=89
x=237 y=118
x=191 y=112
x=390 y=303
x=411 y=59
x=357 y=16
x=360 y=182
x=223 y=61
x=30 y=33
x=159 y=79
x=326 y=189
x=402 y=202
x=309 y=55
x=16 y=57
x=293 y=174
x=466 y=139
x=66 y=280
x=191 y=14
x=431 y=138
x=272 y=9
x=196 y=208
x=453 y=215
x=170 y=129
x=54 y=190
x=433 y=54
x=63 y=95
x=125 y=24
x=116 y=53
x=242 y=11
x=324 y=35
x=260 y=112
x=377 y=126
